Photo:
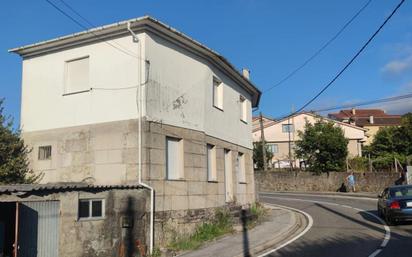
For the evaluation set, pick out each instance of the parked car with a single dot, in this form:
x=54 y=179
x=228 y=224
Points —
x=395 y=204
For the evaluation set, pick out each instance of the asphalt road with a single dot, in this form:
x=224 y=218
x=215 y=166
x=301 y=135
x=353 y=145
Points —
x=342 y=227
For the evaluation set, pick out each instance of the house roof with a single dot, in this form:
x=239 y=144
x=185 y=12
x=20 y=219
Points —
x=148 y=24
x=27 y=188
x=313 y=115
x=362 y=117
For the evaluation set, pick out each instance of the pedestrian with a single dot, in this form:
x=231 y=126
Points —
x=402 y=177
x=351 y=182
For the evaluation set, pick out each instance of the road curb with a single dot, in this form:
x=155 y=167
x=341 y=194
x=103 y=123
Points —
x=300 y=223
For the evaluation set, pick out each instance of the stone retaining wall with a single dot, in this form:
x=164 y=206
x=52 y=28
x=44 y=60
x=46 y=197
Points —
x=307 y=181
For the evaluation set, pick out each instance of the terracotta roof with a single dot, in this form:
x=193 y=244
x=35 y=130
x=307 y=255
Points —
x=362 y=117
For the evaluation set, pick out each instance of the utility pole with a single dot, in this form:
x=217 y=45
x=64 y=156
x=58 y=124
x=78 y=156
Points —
x=262 y=138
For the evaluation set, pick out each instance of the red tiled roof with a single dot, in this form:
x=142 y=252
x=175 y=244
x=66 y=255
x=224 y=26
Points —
x=362 y=117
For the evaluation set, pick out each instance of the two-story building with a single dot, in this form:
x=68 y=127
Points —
x=281 y=137
x=138 y=102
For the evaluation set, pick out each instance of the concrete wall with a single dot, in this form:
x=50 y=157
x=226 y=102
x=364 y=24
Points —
x=104 y=153
x=306 y=181
x=102 y=237
x=180 y=93
x=44 y=105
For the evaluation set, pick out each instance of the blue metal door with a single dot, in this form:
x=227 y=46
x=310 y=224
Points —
x=38 y=229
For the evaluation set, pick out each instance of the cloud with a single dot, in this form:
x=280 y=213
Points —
x=398 y=66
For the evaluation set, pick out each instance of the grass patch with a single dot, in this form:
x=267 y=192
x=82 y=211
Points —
x=257 y=213
x=207 y=231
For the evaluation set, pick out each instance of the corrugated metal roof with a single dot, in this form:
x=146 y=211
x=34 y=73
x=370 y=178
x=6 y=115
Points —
x=20 y=188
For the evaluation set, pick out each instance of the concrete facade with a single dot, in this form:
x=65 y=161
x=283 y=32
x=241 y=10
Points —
x=93 y=133
x=104 y=237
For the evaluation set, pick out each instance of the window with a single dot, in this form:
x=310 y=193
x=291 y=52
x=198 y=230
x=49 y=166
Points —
x=174 y=158
x=211 y=163
x=77 y=76
x=240 y=165
x=273 y=148
x=45 y=152
x=286 y=128
x=217 y=93
x=243 y=109
x=91 y=208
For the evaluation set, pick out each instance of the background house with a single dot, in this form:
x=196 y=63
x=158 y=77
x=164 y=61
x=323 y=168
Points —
x=370 y=119
x=80 y=112
x=282 y=135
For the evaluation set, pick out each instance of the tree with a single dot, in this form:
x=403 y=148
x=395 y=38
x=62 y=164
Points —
x=14 y=165
x=393 y=140
x=323 y=146
x=258 y=155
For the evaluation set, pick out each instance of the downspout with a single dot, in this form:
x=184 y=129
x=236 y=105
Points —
x=139 y=107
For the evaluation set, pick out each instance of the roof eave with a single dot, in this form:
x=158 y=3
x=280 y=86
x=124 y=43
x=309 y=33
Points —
x=120 y=29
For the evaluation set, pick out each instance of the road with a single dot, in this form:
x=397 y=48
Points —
x=342 y=227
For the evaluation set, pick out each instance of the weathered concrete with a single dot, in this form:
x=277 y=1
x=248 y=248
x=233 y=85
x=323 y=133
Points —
x=107 y=153
x=99 y=237
x=306 y=181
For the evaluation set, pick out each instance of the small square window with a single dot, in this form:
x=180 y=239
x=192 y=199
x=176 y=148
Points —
x=45 y=152
x=91 y=208
x=84 y=209
x=217 y=93
x=273 y=148
x=286 y=128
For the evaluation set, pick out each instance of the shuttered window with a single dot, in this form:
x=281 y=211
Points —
x=174 y=158
x=211 y=163
x=241 y=168
x=77 y=76
x=45 y=152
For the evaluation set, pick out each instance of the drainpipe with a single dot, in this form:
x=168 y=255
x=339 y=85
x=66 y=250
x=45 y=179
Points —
x=139 y=107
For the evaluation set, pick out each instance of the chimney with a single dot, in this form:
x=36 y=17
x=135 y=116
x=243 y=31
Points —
x=353 y=111
x=246 y=73
x=371 y=121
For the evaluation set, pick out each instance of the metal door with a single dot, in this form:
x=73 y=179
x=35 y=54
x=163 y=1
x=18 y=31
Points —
x=38 y=229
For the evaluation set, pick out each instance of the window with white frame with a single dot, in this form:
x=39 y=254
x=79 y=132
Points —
x=77 y=76
x=91 y=208
x=240 y=164
x=211 y=163
x=273 y=148
x=217 y=93
x=286 y=128
x=45 y=152
x=174 y=158
x=243 y=108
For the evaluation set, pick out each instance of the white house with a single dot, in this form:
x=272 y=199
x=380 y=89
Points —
x=85 y=97
x=281 y=136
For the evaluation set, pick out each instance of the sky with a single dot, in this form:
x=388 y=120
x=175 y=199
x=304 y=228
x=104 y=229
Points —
x=270 y=38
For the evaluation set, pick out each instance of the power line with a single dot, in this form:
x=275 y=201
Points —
x=119 y=47
x=352 y=60
x=323 y=47
x=370 y=102
x=343 y=106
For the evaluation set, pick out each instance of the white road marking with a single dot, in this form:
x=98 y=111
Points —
x=386 y=238
x=308 y=227
x=321 y=195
